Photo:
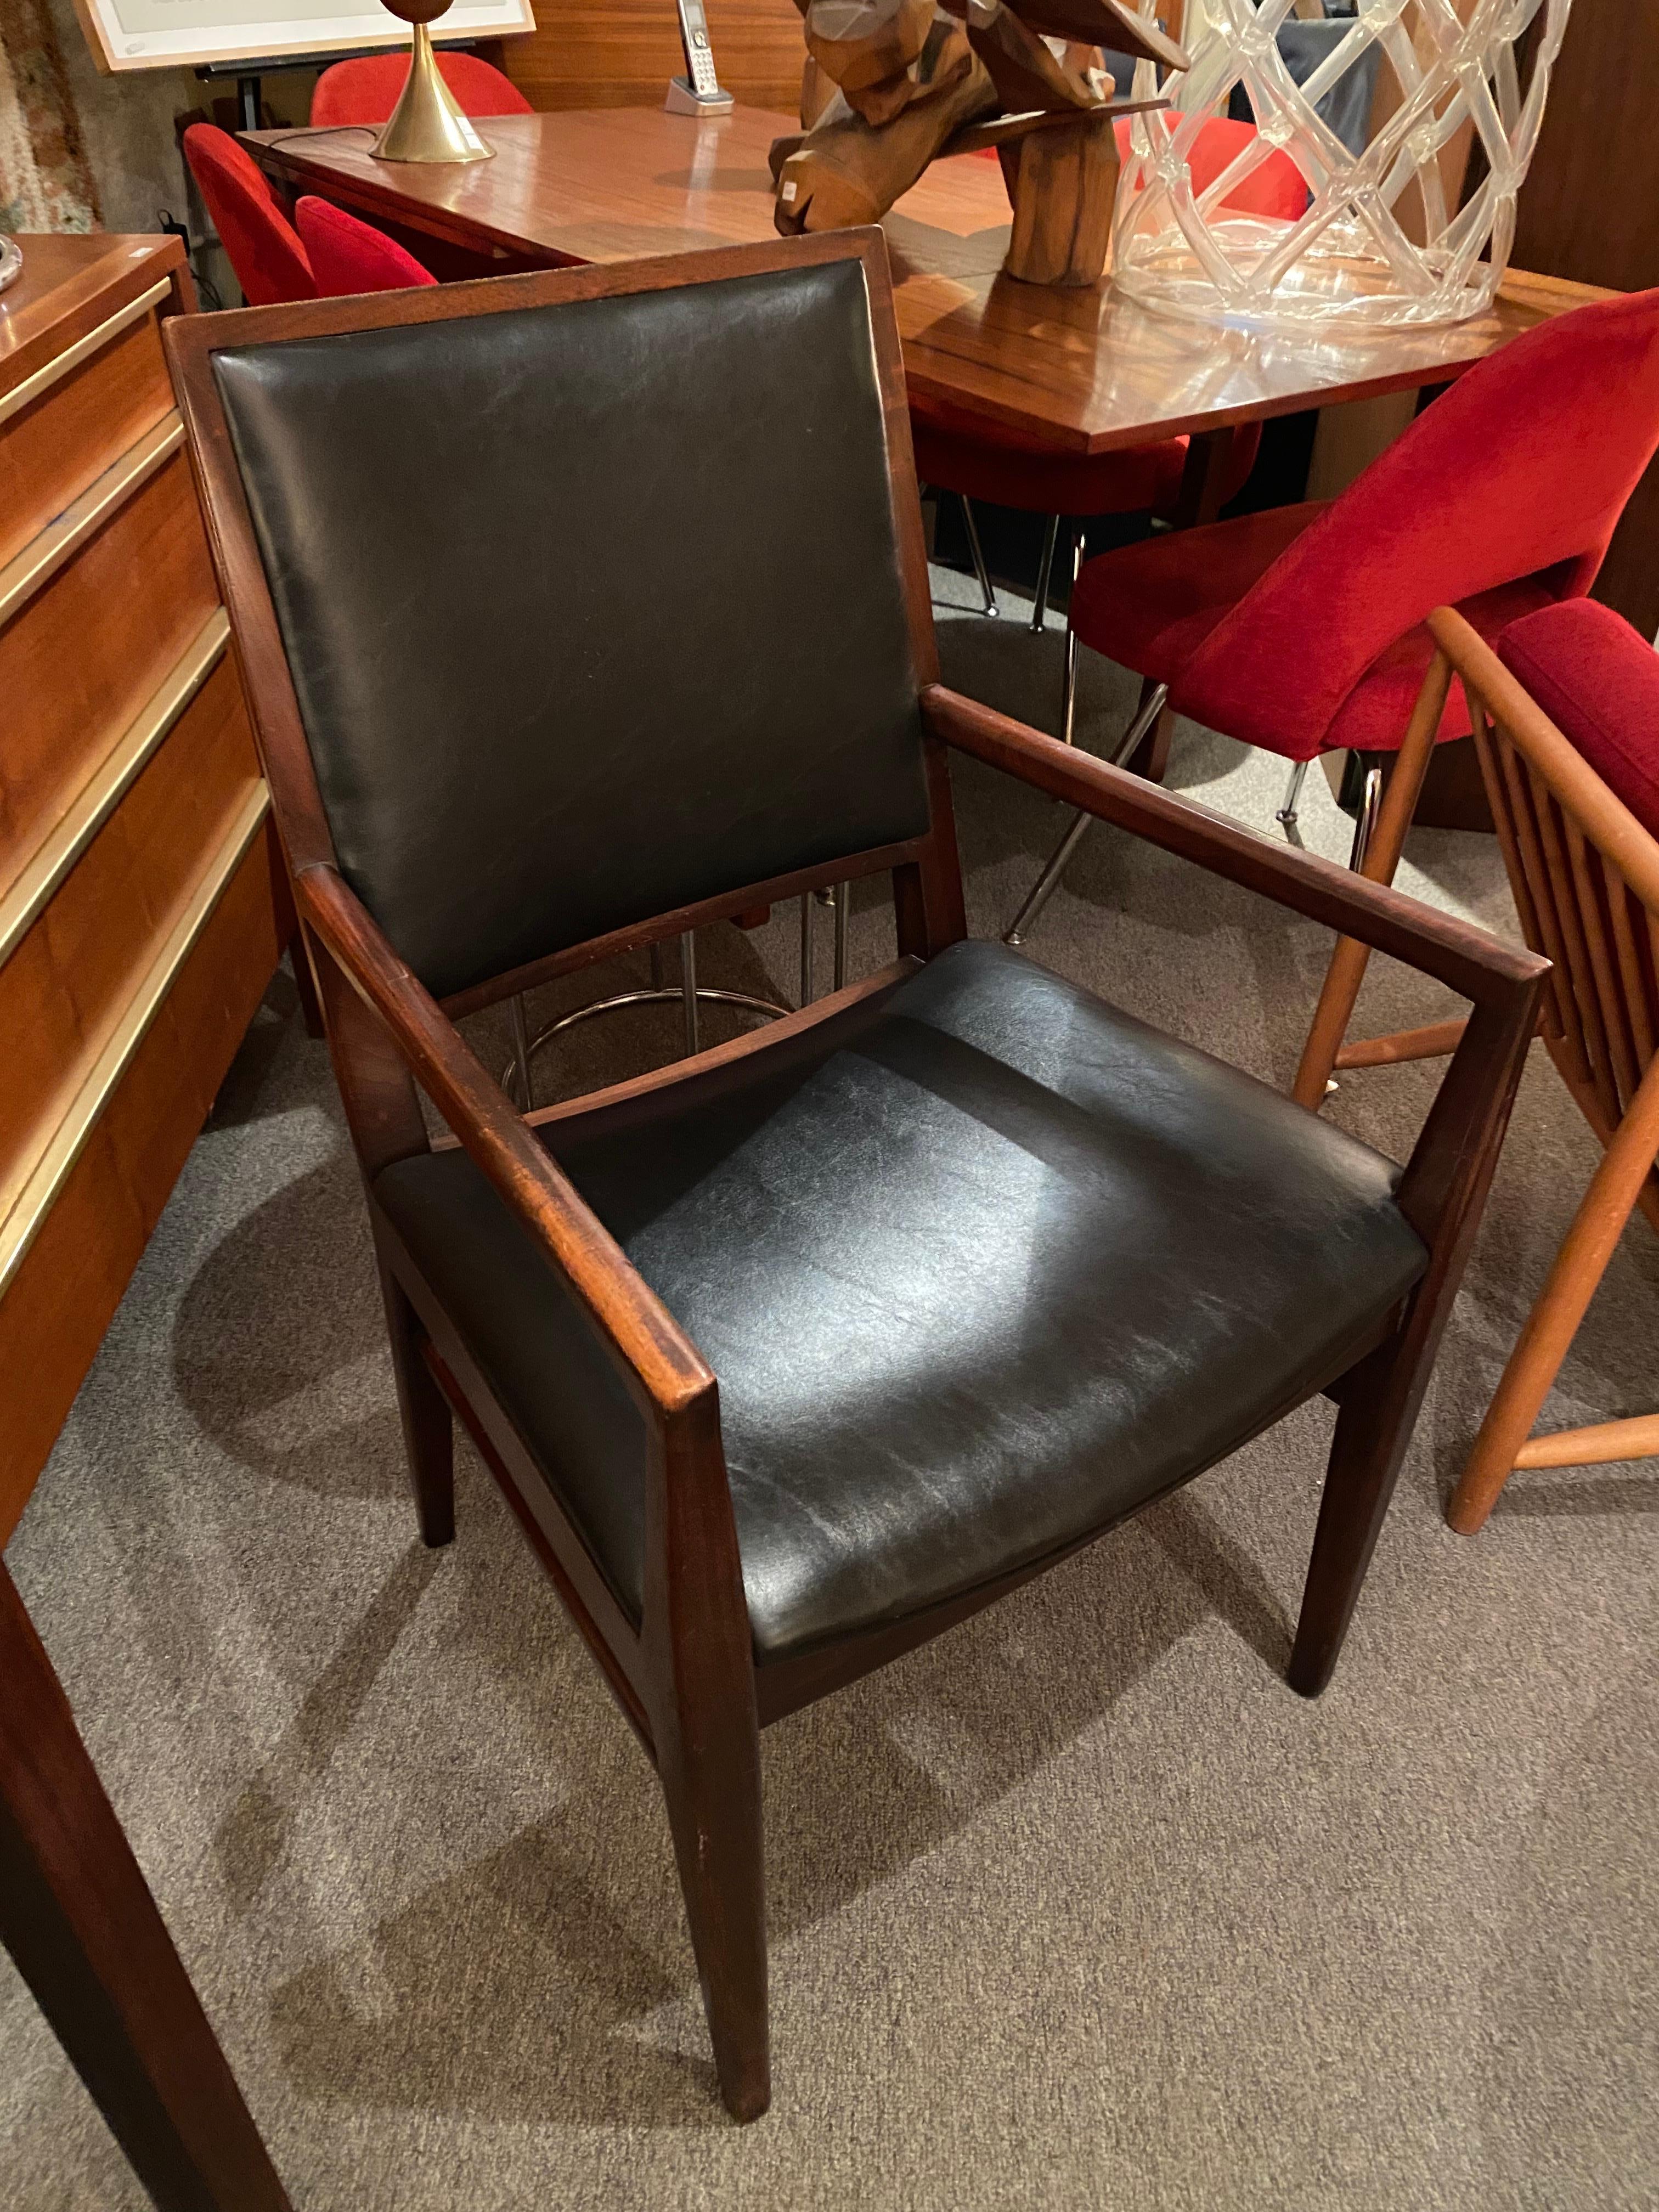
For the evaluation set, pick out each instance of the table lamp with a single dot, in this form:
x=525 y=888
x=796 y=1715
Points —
x=427 y=124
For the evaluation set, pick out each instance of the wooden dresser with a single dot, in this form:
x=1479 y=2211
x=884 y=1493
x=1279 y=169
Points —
x=143 y=903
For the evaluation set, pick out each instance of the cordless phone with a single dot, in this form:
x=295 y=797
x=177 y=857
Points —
x=698 y=92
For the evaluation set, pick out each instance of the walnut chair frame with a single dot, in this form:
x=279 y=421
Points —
x=685 y=1674
x=1585 y=877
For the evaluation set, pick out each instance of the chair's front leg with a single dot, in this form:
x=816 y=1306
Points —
x=706 y=1735
x=1373 y=1429
x=1441 y=1193
x=1350 y=958
x=1553 y=1322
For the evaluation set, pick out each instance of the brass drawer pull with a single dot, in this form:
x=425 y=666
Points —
x=103 y=792
x=46 y=553
x=33 y=1202
x=43 y=379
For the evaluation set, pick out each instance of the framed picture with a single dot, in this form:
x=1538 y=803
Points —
x=136 y=34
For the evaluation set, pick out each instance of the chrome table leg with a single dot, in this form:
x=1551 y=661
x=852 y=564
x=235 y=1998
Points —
x=978 y=552
x=1045 y=569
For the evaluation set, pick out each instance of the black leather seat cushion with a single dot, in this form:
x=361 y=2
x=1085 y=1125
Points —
x=980 y=1273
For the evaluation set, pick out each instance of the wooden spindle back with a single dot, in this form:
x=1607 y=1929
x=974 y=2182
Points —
x=1586 y=875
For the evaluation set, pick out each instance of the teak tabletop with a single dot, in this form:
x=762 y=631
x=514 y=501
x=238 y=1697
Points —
x=1085 y=371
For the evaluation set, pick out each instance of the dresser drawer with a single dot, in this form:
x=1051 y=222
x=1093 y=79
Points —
x=82 y=649
x=121 y=1154
x=79 y=961
x=75 y=418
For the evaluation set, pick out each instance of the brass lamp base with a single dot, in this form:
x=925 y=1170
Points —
x=426 y=125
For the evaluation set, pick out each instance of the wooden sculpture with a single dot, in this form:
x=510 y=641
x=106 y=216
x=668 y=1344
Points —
x=890 y=84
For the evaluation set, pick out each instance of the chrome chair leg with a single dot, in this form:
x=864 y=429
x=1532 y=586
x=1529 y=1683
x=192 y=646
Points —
x=1364 y=827
x=1286 y=813
x=808 y=992
x=843 y=901
x=1068 y=680
x=1049 y=882
x=1046 y=885
x=978 y=552
x=689 y=988
x=521 y=1054
x=1045 y=569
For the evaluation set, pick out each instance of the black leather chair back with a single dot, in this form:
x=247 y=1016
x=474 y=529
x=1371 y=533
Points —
x=592 y=610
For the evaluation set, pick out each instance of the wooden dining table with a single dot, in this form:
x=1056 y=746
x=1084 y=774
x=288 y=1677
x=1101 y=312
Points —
x=1082 y=371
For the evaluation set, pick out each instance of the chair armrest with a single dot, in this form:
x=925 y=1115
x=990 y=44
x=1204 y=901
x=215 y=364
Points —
x=665 y=1366
x=1468 y=959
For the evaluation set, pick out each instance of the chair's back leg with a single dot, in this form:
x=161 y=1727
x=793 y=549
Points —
x=1553 y=1322
x=1376 y=861
x=428 y=1425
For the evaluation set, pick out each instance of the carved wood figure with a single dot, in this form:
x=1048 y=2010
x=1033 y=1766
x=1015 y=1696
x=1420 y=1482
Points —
x=890 y=84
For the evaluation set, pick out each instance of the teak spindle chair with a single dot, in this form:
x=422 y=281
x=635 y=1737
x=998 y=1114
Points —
x=1584 y=872
x=792 y=1356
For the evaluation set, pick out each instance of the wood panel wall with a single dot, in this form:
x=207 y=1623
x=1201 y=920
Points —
x=621 y=53
x=1589 y=209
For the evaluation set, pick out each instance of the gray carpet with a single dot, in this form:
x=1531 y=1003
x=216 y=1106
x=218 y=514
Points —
x=1079 y=1907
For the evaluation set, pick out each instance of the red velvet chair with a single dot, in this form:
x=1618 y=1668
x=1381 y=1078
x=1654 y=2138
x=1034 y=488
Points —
x=1010 y=470
x=1302 y=629
x=367 y=90
x=348 y=256
x=265 y=249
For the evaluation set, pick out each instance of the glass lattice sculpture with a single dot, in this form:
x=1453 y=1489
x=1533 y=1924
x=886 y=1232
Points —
x=1429 y=97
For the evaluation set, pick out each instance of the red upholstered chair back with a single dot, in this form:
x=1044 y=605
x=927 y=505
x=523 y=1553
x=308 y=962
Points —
x=1522 y=470
x=1597 y=680
x=348 y=256
x=366 y=91
x=264 y=249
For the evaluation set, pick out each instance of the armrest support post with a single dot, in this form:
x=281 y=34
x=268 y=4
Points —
x=1466 y=958
x=657 y=1359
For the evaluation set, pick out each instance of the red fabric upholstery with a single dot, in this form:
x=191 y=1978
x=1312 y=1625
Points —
x=1160 y=607
x=1598 y=681
x=368 y=90
x=1274 y=187
x=1014 y=471
x=1514 y=479
x=1018 y=472
x=348 y=256
x=264 y=249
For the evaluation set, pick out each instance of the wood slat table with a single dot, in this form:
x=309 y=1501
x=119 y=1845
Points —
x=1085 y=372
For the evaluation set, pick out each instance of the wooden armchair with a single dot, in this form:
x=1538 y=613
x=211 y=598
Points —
x=1566 y=723
x=793 y=1355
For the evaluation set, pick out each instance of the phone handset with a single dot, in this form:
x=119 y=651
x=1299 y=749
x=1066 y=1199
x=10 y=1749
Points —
x=699 y=55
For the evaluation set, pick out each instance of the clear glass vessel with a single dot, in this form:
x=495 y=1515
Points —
x=1411 y=129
